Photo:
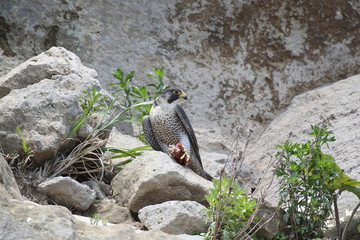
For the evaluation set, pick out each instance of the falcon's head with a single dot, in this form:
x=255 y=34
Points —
x=170 y=96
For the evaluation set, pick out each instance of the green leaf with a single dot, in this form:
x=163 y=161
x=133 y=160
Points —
x=23 y=141
x=130 y=76
x=159 y=72
x=119 y=74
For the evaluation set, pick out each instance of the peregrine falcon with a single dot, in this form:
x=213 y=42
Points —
x=167 y=127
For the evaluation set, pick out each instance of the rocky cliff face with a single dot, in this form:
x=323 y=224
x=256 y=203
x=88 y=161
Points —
x=241 y=62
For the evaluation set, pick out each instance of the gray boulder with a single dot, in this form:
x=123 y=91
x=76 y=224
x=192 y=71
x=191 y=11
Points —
x=43 y=101
x=68 y=192
x=175 y=217
x=155 y=178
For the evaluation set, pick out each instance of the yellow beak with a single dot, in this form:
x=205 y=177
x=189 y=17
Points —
x=183 y=95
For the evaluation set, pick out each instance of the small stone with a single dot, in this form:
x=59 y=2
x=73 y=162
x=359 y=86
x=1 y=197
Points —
x=68 y=192
x=175 y=217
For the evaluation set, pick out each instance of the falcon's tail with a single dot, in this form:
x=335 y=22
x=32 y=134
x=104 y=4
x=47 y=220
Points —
x=207 y=176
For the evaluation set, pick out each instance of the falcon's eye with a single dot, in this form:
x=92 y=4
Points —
x=177 y=92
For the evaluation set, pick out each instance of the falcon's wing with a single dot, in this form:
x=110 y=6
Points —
x=149 y=134
x=186 y=123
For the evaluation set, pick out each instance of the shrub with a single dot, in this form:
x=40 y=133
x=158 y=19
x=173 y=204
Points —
x=230 y=209
x=301 y=171
x=310 y=182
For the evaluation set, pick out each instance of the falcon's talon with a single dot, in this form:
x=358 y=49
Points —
x=184 y=155
x=179 y=153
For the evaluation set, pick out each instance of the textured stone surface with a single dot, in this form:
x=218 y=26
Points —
x=27 y=220
x=56 y=61
x=43 y=101
x=68 y=192
x=118 y=231
x=338 y=104
x=119 y=140
x=8 y=186
x=154 y=178
x=175 y=217
x=109 y=210
x=241 y=62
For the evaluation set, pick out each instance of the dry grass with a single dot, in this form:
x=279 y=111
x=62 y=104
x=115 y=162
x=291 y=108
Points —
x=85 y=158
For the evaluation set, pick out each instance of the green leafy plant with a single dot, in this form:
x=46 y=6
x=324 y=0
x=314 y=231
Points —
x=126 y=154
x=310 y=182
x=26 y=149
x=23 y=161
x=230 y=209
x=280 y=236
x=86 y=158
x=91 y=103
x=135 y=94
x=94 y=220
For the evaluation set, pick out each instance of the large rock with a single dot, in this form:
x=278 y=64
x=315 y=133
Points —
x=27 y=220
x=175 y=217
x=338 y=105
x=68 y=192
x=43 y=101
x=155 y=178
x=8 y=186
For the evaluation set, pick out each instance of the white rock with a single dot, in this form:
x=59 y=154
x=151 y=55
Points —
x=68 y=192
x=175 y=217
x=155 y=178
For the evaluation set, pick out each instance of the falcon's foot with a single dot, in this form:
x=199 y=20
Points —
x=179 y=153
